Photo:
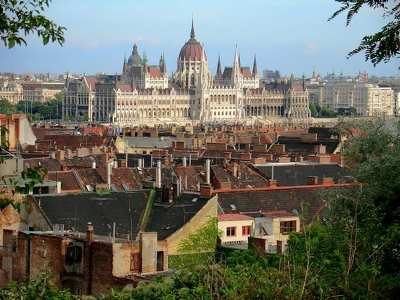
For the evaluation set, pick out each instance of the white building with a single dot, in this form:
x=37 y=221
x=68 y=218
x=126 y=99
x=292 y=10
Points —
x=275 y=227
x=366 y=98
x=235 y=229
x=144 y=95
x=11 y=91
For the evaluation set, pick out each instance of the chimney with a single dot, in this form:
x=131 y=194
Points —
x=208 y=181
x=140 y=163
x=158 y=174
x=148 y=251
x=58 y=187
x=235 y=170
x=186 y=182
x=89 y=232
x=178 y=186
x=60 y=154
x=312 y=180
x=328 y=181
x=273 y=183
x=109 y=171
x=94 y=164
x=184 y=161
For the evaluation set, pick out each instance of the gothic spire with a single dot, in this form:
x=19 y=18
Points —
x=192 y=33
x=162 y=64
x=255 y=70
x=219 y=69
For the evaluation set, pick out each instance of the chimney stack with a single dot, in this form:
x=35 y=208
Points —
x=235 y=169
x=94 y=164
x=158 y=174
x=109 y=171
x=208 y=164
x=184 y=161
x=140 y=163
x=178 y=186
x=89 y=232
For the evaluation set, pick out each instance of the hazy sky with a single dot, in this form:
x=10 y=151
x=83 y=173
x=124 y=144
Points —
x=288 y=35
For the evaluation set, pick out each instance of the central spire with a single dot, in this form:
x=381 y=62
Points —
x=192 y=34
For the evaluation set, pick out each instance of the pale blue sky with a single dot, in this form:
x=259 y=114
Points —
x=288 y=35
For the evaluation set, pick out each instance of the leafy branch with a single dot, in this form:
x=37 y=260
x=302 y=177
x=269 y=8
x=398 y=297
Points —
x=383 y=45
x=19 y=18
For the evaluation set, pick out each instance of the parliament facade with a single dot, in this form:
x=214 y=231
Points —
x=145 y=95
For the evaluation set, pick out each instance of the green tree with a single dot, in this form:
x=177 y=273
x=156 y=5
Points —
x=6 y=107
x=39 y=288
x=384 y=44
x=18 y=19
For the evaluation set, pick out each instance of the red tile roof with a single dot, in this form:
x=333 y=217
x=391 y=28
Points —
x=246 y=72
x=278 y=214
x=233 y=217
x=154 y=71
x=69 y=182
x=124 y=87
x=91 y=81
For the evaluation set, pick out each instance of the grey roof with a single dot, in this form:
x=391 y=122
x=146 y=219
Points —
x=295 y=200
x=76 y=210
x=167 y=218
x=297 y=173
x=149 y=142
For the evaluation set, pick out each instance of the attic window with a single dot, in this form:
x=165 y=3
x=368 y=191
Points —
x=73 y=255
x=233 y=207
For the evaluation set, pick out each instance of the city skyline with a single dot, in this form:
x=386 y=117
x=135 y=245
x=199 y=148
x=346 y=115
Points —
x=280 y=41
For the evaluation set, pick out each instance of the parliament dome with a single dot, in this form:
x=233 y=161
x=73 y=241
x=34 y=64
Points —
x=192 y=50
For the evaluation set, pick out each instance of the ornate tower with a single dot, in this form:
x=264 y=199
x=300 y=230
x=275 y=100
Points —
x=236 y=72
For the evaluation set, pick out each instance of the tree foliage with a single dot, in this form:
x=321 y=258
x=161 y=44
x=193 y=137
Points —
x=384 y=44
x=51 y=109
x=39 y=288
x=19 y=18
x=352 y=252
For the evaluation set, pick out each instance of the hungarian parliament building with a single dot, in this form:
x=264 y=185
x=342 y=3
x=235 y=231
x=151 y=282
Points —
x=145 y=95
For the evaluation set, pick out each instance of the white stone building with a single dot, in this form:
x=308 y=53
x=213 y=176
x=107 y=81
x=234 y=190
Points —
x=145 y=95
x=235 y=229
x=11 y=91
x=366 y=98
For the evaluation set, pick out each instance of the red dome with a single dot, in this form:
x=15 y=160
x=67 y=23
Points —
x=192 y=50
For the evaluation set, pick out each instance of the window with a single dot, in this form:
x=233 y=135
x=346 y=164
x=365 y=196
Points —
x=231 y=231
x=246 y=230
x=160 y=261
x=287 y=227
x=135 y=262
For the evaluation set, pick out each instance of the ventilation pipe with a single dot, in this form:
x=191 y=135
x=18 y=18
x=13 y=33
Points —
x=158 y=174
x=184 y=161
x=89 y=232
x=208 y=181
x=140 y=163
x=109 y=171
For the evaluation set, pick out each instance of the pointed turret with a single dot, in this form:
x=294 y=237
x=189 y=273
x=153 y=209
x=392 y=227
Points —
x=255 y=69
x=163 y=67
x=236 y=67
x=192 y=33
x=219 y=68
x=314 y=74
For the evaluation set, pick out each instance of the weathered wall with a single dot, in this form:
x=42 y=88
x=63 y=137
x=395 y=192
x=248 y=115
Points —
x=198 y=221
x=122 y=258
